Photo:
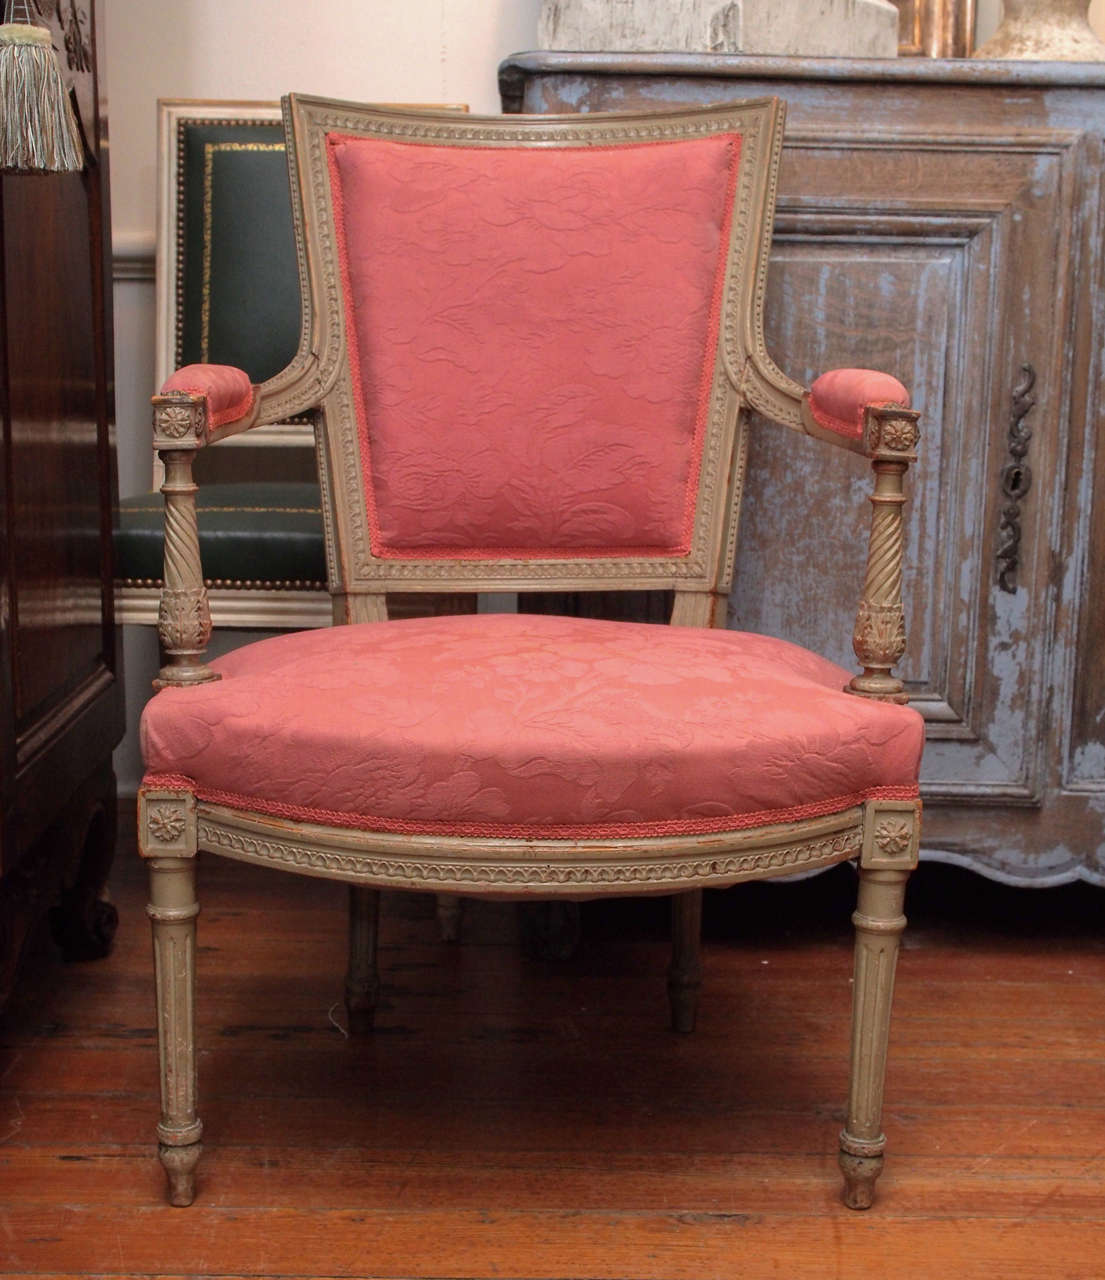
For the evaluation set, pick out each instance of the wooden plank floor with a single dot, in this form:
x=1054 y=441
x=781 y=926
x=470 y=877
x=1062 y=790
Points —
x=514 y=1118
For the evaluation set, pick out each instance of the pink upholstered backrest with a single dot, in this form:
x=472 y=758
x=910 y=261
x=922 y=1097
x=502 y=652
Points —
x=532 y=338
x=529 y=337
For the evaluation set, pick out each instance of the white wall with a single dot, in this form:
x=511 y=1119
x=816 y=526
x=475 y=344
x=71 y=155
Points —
x=390 y=50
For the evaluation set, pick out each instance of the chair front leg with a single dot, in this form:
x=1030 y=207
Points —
x=685 y=970
x=889 y=855
x=167 y=842
x=362 y=981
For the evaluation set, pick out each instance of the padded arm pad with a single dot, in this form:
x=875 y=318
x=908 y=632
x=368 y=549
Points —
x=838 y=400
x=228 y=391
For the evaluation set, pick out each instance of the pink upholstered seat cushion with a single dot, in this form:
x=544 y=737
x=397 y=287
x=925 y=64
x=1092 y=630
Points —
x=531 y=726
x=532 y=341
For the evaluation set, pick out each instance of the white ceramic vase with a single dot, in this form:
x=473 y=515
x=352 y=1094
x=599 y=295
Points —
x=1044 y=31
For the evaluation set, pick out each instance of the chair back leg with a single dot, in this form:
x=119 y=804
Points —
x=685 y=970
x=362 y=981
x=449 y=912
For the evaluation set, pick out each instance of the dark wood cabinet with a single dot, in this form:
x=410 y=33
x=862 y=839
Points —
x=60 y=688
x=943 y=221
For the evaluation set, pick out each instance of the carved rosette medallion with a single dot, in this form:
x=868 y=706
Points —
x=179 y=423
x=893 y=836
x=891 y=831
x=166 y=823
x=891 y=434
x=899 y=434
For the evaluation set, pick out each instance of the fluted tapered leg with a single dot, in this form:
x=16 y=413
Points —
x=879 y=923
x=362 y=981
x=173 y=910
x=685 y=970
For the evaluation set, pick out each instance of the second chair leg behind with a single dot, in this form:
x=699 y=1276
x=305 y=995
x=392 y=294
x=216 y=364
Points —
x=685 y=970
x=362 y=981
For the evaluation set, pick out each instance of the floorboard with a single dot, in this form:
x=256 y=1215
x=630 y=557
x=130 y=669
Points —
x=515 y=1118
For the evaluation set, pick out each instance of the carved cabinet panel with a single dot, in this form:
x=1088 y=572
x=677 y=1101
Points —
x=941 y=221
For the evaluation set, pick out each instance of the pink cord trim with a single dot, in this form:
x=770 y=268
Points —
x=527 y=831
x=216 y=419
x=234 y=412
x=385 y=551
x=168 y=782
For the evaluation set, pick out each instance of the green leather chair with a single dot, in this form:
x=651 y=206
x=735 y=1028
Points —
x=228 y=292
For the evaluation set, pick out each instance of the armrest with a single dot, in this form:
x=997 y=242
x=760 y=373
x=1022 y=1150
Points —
x=836 y=407
x=201 y=403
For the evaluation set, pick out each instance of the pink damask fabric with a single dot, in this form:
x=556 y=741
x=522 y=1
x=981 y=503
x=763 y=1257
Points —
x=533 y=337
x=838 y=398
x=531 y=726
x=227 y=390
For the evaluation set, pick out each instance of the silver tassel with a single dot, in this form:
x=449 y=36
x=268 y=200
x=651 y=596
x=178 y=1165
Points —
x=37 y=128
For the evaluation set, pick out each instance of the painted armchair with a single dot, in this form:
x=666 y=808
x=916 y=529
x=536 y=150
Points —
x=531 y=347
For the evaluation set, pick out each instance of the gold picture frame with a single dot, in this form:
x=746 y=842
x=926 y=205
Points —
x=935 y=28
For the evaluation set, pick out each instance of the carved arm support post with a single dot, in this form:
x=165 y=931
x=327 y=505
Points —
x=184 y=615
x=890 y=437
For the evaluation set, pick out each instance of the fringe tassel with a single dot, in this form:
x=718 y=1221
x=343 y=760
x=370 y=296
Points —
x=37 y=128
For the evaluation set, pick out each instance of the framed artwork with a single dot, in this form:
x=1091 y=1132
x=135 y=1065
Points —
x=935 y=28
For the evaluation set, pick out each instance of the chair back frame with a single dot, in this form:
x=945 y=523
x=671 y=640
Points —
x=320 y=376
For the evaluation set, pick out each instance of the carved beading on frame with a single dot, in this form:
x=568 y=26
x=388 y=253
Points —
x=1016 y=480
x=890 y=436
x=580 y=875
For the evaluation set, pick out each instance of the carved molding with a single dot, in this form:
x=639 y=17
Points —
x=891 y=434
x=589 y=874
x=179 y=422
x=166 y=823
x=879 y=638
x=184 y=620
x=891 y=834
x=1016 y=481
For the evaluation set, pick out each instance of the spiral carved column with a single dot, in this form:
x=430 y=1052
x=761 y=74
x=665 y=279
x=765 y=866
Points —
x=890 y=436
x=184 y=615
